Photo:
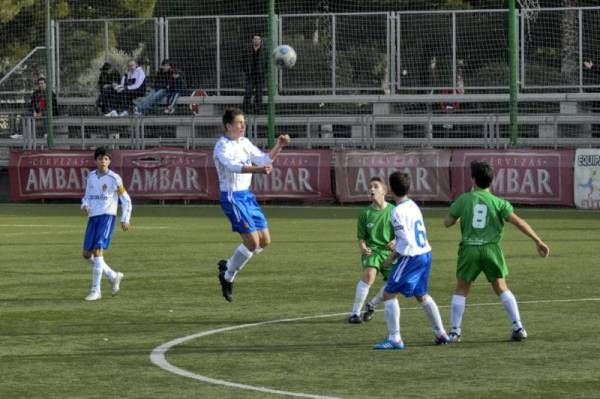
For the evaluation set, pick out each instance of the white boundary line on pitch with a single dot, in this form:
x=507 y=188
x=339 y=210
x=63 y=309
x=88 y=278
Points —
x=157 y=356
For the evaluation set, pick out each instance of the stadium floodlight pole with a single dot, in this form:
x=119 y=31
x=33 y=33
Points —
x=49 y=82
x=512 y=56
x=271 y=72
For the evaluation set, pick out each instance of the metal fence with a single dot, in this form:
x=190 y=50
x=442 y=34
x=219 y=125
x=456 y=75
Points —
x=345 y=53
x=389 y=52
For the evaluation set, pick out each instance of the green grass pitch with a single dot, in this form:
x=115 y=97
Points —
x=55 y=345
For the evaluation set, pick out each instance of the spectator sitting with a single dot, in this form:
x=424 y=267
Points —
x=108 y=77
x=175 y=88
x=158 y=91
x=39 y=102
x=132 y=86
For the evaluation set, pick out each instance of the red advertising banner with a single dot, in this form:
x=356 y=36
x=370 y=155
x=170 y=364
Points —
x=49 y=174
x=166 y=173
x=429 y=171
x=301 y=174
x=537 y=177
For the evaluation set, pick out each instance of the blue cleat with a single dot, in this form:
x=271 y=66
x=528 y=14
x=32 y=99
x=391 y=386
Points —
x=389 y=345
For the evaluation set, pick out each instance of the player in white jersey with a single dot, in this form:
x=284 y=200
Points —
x=236 y=159
x=411 y=265
x=104 y=189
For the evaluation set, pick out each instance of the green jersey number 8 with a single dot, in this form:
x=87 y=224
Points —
x=479 y=216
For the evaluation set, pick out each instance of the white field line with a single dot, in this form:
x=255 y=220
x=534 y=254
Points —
x=157 y=356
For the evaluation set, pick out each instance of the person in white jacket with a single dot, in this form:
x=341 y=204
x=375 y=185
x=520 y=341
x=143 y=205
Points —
x=104 y=189
x=132 y=86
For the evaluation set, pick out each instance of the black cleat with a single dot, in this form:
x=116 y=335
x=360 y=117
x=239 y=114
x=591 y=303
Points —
x=354 y=319
x=518 y=335
x=368 y=315
x=226 y=286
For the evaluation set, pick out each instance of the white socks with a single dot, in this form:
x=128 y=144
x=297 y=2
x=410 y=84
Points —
x=378 y=298
x=510 y=304
x=99 y=267
x=457 y=308
x=392 y=318
x=433 y=315
x=238 y=260
x=508 y=301
x=108 y=272
x=96 y=274
x=362 y=290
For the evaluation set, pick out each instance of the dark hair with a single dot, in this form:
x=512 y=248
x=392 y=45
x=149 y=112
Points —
x=40 y=79
x=400 y=183
x=482 y=172
x=106 y=67
x=230 y=114
x=102 y=151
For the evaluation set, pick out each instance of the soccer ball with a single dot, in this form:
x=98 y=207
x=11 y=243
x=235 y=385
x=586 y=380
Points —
x=285 y=56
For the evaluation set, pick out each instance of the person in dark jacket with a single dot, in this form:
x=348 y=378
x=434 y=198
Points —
x=255 y=69
x=175 y=88
x=39 y=102
x=109 y=76
x=158 y=91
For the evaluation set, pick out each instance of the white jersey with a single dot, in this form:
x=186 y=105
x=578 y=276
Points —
x=230 y=156
x=409 y=227
x=102 y=195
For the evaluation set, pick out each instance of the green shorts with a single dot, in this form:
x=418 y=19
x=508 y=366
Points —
x=375 y=260
x=474 y=259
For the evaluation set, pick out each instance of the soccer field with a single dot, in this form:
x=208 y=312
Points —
x=55 y=345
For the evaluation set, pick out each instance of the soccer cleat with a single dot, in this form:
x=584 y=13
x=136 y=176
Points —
x=368 y=315
x=226 y=286
x=454 y=337
x=354 y=319
x=389 y=345
x=112 y=113
x=442 y=340
x=124 y=113
x=116 y=283
x=93 y=296
x=519 y=334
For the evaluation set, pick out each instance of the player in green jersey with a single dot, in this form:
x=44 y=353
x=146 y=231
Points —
x=482 y=216
x=375 y=235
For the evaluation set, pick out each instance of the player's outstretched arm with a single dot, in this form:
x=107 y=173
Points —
x=526 y=229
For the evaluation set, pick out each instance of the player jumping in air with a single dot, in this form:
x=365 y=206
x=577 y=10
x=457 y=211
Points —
x=482 y=216
x=104 y=189
x=236 y=159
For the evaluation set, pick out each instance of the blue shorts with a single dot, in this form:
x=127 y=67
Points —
x=410 y=275
x=243 y=211
x=99 y=232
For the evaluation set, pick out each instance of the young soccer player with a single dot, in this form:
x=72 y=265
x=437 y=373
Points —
x=375 y=240
x=103 y=191
x=411 y=265
x=236 y=159
x=482 y=216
